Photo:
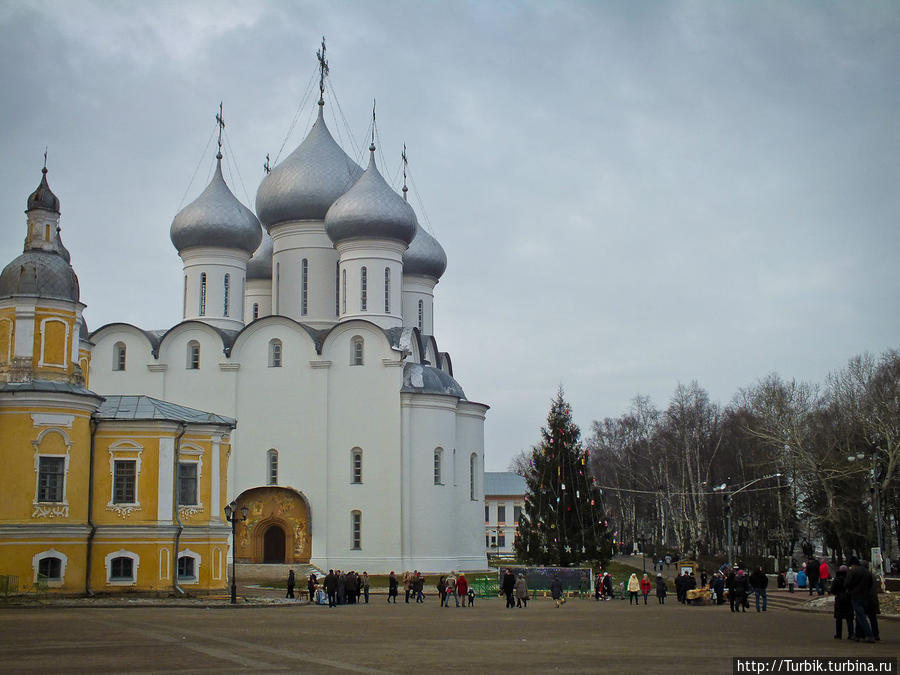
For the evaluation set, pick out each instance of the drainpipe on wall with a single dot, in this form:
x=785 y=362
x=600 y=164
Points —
x=177 y=518
x=90 y=514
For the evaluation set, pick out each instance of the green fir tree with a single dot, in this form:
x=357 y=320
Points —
x=563 y=522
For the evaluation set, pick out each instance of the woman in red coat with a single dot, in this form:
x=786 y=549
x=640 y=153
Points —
x=462 y=587
x=645 y=587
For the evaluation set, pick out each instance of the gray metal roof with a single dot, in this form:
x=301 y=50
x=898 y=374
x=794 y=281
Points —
x=260 y=265
x=421 y=379
x=216 y=218
x=308 y=181
x=147 y=408
x=42 y=274
x=43 y=197
x=504 y=484
x=48 y=386
x=425 y=255
x=371 y=209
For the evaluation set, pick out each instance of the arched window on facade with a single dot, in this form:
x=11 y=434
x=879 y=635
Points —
x=343 y=291
x=363 y=289
x=275 y=353
x=304 y=286
x=473 y=462
x=356 y=530
x=272 y=467
x=337 y=288
x=387 y=290
x=421 y=315
x=184 y=299
x=227 y=292
x=203 y=294
x=438 y=460
x=356 y=465
x=356 y=351
x=193 y=355
x=119 y=356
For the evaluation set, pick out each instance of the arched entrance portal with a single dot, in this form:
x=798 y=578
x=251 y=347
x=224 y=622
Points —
x=273 y=545
x=277 y=527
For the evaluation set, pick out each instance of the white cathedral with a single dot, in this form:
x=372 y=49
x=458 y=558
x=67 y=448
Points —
x=355 y=447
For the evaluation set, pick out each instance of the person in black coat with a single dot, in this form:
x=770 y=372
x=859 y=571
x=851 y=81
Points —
x=392 y=587
x=331 y=588
x=509 y=586
x=729 y=584
x=843 y=608
x=290 y=584
x=759 y=582
x=859 y=584
x=718 y=587
x=661 y=589
x=741 y=590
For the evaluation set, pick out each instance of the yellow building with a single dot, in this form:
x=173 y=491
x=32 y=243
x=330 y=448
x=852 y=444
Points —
x=98 y=494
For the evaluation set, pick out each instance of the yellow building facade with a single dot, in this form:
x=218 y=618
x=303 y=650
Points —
x=124 y=493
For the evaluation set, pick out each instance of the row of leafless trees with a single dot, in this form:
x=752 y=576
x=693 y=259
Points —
x=799 y=463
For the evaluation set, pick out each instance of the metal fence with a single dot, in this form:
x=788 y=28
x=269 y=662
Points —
x=9 y=585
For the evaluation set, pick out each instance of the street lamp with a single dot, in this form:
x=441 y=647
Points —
x=231 y=516
x=876 y=502
x=643 y=539
x=727 y=497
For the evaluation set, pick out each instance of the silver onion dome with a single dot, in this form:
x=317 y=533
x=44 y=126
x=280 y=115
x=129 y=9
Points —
x=371 y=209
x=308 y=181
x=425 y=256
x=260 y=265
x=41 y=274
x=43 y=197
x=216 y=218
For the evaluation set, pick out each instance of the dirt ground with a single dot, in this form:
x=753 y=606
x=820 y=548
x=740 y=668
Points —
x=582 y=636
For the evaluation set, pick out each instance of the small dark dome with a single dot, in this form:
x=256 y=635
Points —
x=43 y=197
x=63 y=251
x=260 y=265
x=42 y=274
x=424 y=256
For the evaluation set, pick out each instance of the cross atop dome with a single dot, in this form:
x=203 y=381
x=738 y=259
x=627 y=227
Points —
x=323 y=71
x=220 y=122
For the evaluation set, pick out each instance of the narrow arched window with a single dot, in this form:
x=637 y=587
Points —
x=421 y=314
x=193 y=355
x=438 y=460
x=473 y=462
x=272 y=466
x=203 y=294
x=344 y=292
x=255 y=310
x=387 y=290
x=356 y=530
x=304 y=286
x=356 y=465
x=363 y=289
x=119 y=356
x=356 y=351
x=227 y=290
x=276 y=290
x=275 y=353
x=337 y=288
x=50 y=568
x=184 y=299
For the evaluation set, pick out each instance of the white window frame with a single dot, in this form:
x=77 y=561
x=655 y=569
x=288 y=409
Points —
x=363 y=289
x=438 y=466
x=226 y=287
x=421 y=315
x=473 y=464
x=135 y=563
x=190 y=455
x=304 y=287
x=55 y=508
x=195 y=579
x=120 y=353
x=356 y=466
x=65 y=355
x=276 y=353
x=192 y=362
x=357 y=351
x=387 y=290
x=52 y=582
x=202 y=307
x=272 y=467
x=356 y=530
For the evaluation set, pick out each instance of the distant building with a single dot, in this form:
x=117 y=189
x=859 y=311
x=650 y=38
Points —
x=504 y=499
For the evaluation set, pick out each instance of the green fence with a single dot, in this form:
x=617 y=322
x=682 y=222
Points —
x=9 y=585
x=486 y=587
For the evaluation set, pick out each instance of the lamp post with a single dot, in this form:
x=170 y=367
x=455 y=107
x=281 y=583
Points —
x=643 y=539
x=727 y=498
x=876 y=501
x=231 y=515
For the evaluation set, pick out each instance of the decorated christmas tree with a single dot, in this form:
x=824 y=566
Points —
x=563 y=522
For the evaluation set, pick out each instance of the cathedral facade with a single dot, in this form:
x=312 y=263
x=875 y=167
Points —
x=311 y=322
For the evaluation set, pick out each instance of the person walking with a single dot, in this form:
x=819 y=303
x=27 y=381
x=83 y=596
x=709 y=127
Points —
x=661 y=589
x=462 y=588
x=859 y=584
x=598 y=586
x=843 y=608
x=290 y=584
x=824 y=576
x=509 y=587
x=451 y=589
x=331 y=588
x=812 y=575
x=741 y=589
x=419 y=587
x=311 y=585
x=365 y=585
x=645 y=587
x=556 y=590
x=407 y=584
x=442 y=588
x=392 y=587
x=607 y=586
x=790 y=578
x=759 y=582
x=521 y=592
x=634 y=587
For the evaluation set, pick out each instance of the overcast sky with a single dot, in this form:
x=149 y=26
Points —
x=630 y=194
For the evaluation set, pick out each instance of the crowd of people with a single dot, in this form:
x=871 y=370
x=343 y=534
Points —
x=337 y=588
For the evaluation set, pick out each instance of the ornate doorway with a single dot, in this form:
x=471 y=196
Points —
x=276 y=529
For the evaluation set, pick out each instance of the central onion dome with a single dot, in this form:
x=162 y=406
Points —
x=260 y=265
x=308 y=181
x=216 y=218
x=425 y=256
x=371 y=209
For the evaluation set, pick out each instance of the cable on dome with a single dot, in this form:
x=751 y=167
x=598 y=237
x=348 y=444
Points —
x=191 y=182
x=300 y=106
x=237 y=169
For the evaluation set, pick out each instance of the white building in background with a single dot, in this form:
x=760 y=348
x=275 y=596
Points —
x=504 y=499
x=355 y=447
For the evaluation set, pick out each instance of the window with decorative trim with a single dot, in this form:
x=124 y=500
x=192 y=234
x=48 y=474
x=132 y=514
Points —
x=272 y=466
x=51 y=478
x=119 y=356
x=227 y=292
x=501 y=514
x=363 y=289
x=49 y=567
x=356 y=530
x=356 y=351
x=421 y=315
x=193 y=355
x=387 y=290
x=188 y=567
x=122 y=567
x=124 y=481
x=438 y=459
x=356 y=465
x=275 y=353
x=304 y=286
x=203 y=294
x=187 y=484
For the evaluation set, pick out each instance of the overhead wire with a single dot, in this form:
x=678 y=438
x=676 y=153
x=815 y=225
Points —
x=194 y=175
